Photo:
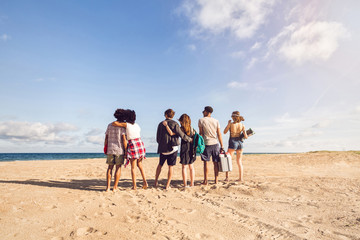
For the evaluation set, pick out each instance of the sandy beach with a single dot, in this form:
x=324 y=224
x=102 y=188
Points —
x=284 y=196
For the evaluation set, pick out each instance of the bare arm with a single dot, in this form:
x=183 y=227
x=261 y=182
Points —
x=106 y=140
x=182 y=134
x=220 y=137
x=244 y=131
x=200 y=130
x=119 y=124
x=124 y=141
x=171 y=133
x=227 y=127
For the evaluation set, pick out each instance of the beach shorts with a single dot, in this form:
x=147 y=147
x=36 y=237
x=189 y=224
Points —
x=211 y=151
x=235 y=143
x=115 y=159
x=170 y=159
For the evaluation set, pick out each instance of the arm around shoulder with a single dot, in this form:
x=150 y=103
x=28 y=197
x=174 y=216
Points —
x=119 y=124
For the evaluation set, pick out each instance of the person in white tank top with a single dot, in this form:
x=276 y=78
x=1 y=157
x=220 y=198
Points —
x=136 y=149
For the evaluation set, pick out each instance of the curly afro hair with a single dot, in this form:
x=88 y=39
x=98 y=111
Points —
x=120 y=115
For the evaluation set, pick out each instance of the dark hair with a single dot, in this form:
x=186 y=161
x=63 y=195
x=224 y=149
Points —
x=169 y=113
x=208 y=109
x=130 y=116
x=120 y=115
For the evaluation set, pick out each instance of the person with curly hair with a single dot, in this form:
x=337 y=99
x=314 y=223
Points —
x=114 y=147
x=136 y=151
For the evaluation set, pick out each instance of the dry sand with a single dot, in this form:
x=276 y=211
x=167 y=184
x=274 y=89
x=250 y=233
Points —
x=289 y=196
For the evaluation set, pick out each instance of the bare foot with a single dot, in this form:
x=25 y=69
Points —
x=133 y=188
x=239 y=180
x=115 y=189
x=107 y=190
x=167 y=188
x=145 y=186
x=204 y=183
x=226 y=179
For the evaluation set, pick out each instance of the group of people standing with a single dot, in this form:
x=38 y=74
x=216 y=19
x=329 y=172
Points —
x=123 y=145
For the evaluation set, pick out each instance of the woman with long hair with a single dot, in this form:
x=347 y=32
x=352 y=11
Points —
x=187 y=152
x=136 y=149
x=235 y=142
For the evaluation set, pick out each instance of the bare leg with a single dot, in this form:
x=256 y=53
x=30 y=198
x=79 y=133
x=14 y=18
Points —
x=139 y=164
x=108 y=176
x=206 y=172
x=216 y=172
x=184 y=174
x=192 y=174
x=231 y=151
x=157 y=174
x=239 y=162
x=133 y=173
x=170 y=173
x=117 y=177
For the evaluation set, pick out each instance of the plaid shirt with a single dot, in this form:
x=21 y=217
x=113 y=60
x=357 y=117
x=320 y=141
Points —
x=135 y=150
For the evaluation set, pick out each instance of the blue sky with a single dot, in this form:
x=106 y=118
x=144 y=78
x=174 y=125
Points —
x=291 y=68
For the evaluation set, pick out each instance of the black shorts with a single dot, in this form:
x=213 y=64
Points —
x=171 y=159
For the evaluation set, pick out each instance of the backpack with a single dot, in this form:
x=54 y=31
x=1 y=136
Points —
x=199 y=143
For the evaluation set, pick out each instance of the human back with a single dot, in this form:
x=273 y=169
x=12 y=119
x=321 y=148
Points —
x=235 y=129
x=209 y=127
x=114 y=140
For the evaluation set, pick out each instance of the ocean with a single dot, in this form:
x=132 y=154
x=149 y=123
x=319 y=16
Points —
x=8 y=157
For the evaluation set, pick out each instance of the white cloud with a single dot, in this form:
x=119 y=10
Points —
x=235 y=84
x=241 y=18
x=285 y=118
x=259 y=86
x=256 y=46
x=95 y=136
x=95 y=139
x=36 y=132
x=4 y=37
x=252 y=62
x=322 y=124
x=310 y=42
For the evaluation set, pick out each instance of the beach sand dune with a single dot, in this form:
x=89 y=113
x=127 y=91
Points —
x=284 y=196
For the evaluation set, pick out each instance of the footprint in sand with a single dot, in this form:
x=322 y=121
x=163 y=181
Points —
x=188 y=211
x=207 y=237
x=104 y=214
x=50 y=207
x=82 y=218
x=132 y=219
x=48 y=230
x=84 y=231
x=57 y=238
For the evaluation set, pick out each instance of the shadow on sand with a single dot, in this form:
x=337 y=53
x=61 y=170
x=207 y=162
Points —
x=89 y=184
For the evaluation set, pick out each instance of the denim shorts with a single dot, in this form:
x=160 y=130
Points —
x=235 y=143
x=211 y=151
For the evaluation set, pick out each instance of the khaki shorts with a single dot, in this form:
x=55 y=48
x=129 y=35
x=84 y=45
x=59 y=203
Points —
x=115 y=159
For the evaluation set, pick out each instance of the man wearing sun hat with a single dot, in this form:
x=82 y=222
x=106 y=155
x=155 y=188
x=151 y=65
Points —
x=209 y=129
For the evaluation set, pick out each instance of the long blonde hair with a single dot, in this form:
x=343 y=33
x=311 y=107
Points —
x=185 y=122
